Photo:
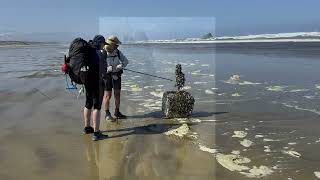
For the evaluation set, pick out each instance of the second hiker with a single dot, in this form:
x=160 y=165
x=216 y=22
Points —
x=115 y=62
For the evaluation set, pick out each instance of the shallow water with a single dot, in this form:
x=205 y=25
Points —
x=275 y=98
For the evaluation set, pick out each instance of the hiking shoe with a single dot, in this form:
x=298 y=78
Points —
x=98 y=136
x=119 y=115
x=108 y=117
x=88 y=130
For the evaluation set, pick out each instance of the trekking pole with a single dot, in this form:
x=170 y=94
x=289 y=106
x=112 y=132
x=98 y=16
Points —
x=148 y=74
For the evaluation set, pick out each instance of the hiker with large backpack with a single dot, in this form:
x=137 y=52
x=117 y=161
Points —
x=86 y=66
x=115 y=63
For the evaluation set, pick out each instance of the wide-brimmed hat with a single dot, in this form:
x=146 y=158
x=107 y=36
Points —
x=113 y=41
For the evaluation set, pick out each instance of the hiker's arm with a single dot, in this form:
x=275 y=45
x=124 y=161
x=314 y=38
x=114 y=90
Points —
x=124 y=59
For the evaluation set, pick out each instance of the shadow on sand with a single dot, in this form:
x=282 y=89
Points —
x=159 y=114
x=157 y=128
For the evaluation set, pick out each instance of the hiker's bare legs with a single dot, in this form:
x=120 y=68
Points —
x=86 y=116
x=117 y=99
x=96 y=119
x=107 y=97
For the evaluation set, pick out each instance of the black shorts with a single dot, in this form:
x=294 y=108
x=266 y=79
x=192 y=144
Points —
x=94 y=94
x=110 y=83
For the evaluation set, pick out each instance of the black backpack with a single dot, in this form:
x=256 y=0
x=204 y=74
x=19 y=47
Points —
x=80 y=60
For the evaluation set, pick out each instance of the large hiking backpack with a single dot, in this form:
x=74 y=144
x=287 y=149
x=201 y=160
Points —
x=80 y=60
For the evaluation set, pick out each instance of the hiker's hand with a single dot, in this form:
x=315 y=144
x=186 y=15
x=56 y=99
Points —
x=119 y=67
x=109 y=69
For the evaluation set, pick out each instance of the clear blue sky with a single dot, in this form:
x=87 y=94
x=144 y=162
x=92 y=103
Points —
x=233 y=17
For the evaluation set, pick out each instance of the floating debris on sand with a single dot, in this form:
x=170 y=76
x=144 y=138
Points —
x=292 y=153
x=181 y=131
x=256 y=172
x=317 y=174
x=246 y=143
x=239 y=134
x=206 y=149
x=208 y=91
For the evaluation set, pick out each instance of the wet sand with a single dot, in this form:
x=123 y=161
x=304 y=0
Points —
x=39 y=141
x=274 y=114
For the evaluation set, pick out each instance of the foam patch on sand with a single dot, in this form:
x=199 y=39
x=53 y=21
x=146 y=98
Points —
x=197 y=73
x=317 y=174
x=186 y=87
x=203 y=82
x=233 y=162
x=267 y=149
x=300 y=108
x=246 y=143
x=298 y=90
x=317 y=86
x=181 y=120
x=258 y=136
x=181 y=131
x=135 y=88
x=292 y=143
x=234 y=79
x=147 y=87
x=157 y=94
x=276 y=88
x=248 y=83
x=256 y=172
x=151 y=104
x=239 y=134
x=235 y=152
x=209 y=120
x=235 y=95
x=292 y=153
x=309 y=97
x=208 y=91
x=270 y=140
x=206 y=149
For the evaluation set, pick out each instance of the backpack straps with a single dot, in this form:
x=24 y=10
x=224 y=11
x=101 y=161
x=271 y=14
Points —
x=118 y=54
